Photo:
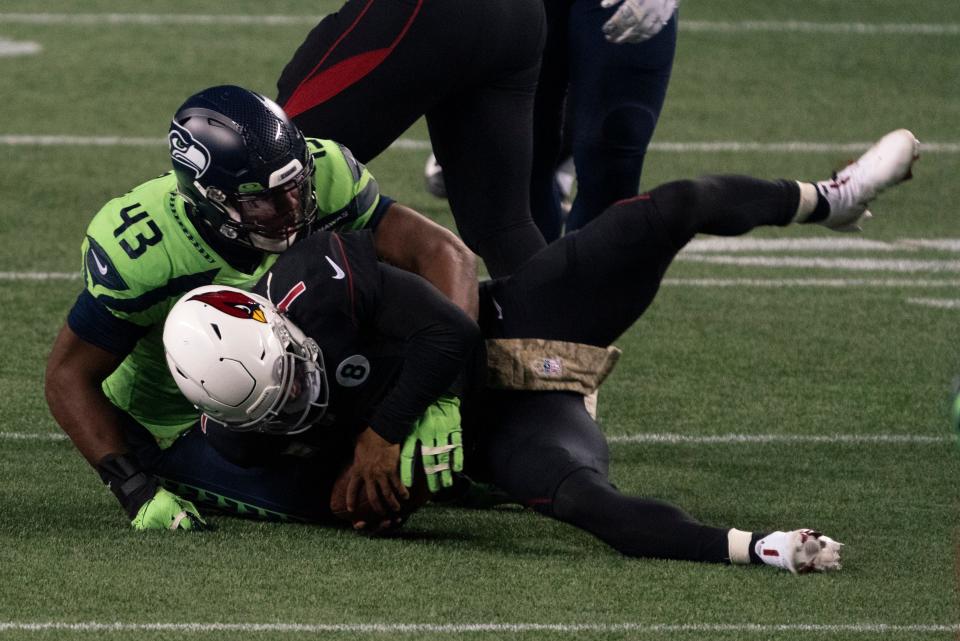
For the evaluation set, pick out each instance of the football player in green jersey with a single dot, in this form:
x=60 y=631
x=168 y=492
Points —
x=245 y=186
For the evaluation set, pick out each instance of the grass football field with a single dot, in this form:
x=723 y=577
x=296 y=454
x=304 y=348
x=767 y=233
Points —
x=794 y=378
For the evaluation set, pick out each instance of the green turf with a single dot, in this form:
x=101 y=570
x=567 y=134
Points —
x=703 y=361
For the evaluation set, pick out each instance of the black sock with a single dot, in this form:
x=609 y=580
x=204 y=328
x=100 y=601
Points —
x=754 y=557
x=821 y=211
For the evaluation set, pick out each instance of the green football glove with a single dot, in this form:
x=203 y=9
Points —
x=441 y=444
x=167 y=511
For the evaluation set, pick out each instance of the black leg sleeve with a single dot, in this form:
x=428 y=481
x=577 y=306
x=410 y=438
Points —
x=635 y=526
x=545 y=451
x=723 y=205
x=591 y=285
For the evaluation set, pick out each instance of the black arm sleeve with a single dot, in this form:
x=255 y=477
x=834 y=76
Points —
x=92 y=321
x=379 y=211
x=440 y=338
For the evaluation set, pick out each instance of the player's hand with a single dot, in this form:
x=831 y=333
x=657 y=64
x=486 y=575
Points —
x=167 y=511
x=439 y=435
x=375 y=470
x=636 y=20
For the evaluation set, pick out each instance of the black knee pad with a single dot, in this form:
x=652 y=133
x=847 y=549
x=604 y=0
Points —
x=575 y=496
x=627 y=129
x=678 y=203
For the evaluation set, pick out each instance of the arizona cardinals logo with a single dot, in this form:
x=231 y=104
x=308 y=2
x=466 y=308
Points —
x=234 y=304
x=187 y=151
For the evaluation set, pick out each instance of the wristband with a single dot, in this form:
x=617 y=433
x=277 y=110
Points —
x=126 y=479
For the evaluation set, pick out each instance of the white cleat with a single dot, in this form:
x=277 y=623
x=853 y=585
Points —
x=800 y=551
x=885 y=164
x=433 y=177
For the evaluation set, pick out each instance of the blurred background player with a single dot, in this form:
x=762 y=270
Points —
x=529 y=436
x=603 y=80
x=610 y=63
x=367 y=72
x=245 y=186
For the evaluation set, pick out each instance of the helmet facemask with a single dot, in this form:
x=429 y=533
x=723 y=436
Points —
x=241 y=362
x=268 y=219
x=302 y=392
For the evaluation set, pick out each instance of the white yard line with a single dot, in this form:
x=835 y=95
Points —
x=793 y=147
x=39 y=276
x=33 y=436
x=716 y=244
x=155 y=19
x=412 y=144
x=701 y=26
x=672 y=438
x=845 y=264
x=462 y=628
x=764 y=439
x=79 y=141
x=814 y=283
x=834 y=243
x=10 y=48
x=798 y=26
x=937 y=303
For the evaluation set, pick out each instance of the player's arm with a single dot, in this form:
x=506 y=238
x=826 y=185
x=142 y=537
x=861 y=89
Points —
x=351 y=198
x=76 y=369
x=440 y=338
x=75 y=372
x=415 y=243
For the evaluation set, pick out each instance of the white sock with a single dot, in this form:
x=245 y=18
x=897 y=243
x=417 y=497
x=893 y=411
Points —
x=738 y=546
x=808 y=201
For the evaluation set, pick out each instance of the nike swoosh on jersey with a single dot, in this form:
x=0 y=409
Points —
x=100 y=266
x=97 y=264
x=338 y=272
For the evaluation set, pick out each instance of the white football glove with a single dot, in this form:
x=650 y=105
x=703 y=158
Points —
x=637 y=20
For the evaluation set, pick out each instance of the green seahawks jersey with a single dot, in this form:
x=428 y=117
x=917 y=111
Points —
x=142 y=252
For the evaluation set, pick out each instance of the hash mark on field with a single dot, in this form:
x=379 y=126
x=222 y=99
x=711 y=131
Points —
x=669 y=438
x=461 y=628
x=412 y=144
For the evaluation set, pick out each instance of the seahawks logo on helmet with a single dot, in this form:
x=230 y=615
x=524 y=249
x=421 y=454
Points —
x=187 y=151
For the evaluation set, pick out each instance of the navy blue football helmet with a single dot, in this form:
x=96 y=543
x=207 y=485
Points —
x=243 y=167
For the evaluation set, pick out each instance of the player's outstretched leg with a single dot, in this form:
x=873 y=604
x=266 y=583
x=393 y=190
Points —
x=546 y=452
x=643 y=527
x=590 y=286
x=733 y=205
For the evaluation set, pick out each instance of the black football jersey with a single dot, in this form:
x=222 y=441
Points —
x=329 y=286
x=391 y=344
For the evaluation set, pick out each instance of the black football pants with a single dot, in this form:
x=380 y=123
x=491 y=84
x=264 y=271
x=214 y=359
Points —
x=369 y=71
x=543 y=448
